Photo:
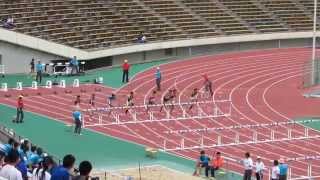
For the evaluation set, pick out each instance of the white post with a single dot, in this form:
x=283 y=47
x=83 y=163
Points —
x=100 y=119
x=309 y=170
x=272 y=135
x=48 y=84
x=314 y=43
x=117 y=119
x=62 y=83
x=215 y=111
x=289 y=133
x=289 y=173
x=255 y=136
x=202 y=141
x=151 y=116
x=182 y=144
x=306 y=132
x=219 y=140
x=183 y=113
x=237 y=140
x=134 y=115
x=76 y=83
x=165 y=145
x=168 y=114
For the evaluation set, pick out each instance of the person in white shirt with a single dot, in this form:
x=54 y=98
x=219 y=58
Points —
x=9 y=171
x=259 y=168
x=41 y=173
x=275 y=171
x=248 y=165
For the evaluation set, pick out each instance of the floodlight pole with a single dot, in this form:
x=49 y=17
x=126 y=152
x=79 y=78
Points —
x=314 y=43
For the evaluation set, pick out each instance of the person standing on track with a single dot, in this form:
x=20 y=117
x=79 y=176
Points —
x=158 y=78
x=151 y=100
x=39 y=69
x=20 y=114
x=193 y=98
x=259 y=168
x=130 y=102
x=207 y=85
x=248 y=165
x=125 y=71
x=275 y=171
x=77 y=121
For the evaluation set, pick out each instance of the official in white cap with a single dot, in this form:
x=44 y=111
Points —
x=259 y=168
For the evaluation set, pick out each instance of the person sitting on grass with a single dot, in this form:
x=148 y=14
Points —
x=85 y=168
x=203 y=162
x=64 y=172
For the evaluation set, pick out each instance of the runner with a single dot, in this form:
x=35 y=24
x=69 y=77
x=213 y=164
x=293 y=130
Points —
x=110 y=99
x=92 y=100
x=173 y=97
x=166 y=99
x=151 y=99
x=130 y=102
x=193 y=97
x=207 y=85
x=77 y=102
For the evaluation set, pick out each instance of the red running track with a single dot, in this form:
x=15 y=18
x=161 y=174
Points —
x=263 y=86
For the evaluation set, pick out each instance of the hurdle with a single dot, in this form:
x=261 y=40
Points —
x=249 y=126
x=168 y=117
x=34 y=85
x=237 y=141
x=19 y=86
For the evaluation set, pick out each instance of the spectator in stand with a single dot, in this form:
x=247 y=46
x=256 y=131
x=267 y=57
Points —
x=36 y=158
x=85 y=168
x=31 y=153
x=141 y=38
x=64 y=172
x=20 y=114
x=125 y=71
x=275 y=171
x=248 y=165
x=9 y=171
x=158 y=78
x=203 y=162
x=32 y=65
x=283 y=167
x=22 y=167
x=8 y=146
x=77 y=121
x=43 y=171
x=217 y=163
x=39 y=69
x=8 y=23
x=259 y=168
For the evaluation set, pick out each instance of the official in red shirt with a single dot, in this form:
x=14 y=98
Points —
x=20 y=106
x=125 y=70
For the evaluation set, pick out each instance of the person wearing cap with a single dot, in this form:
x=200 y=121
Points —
x=125 y=71
x=158 y=78
x=283 y=167
x=248 y=165
x=20 y=106
x=259 y=168
x=39 y=69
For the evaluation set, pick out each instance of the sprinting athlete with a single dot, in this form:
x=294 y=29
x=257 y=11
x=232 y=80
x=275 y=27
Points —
x=130 y=102
x=151 y=99
x=207 y=85
x=92 y=100
x=193 y=97
x=166 y=99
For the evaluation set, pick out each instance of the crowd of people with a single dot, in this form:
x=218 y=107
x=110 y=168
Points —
x=22 y=161
x=279 y=170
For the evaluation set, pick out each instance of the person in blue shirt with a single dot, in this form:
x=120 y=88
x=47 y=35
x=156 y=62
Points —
x=39 y=69
x=36 y=158
x=158 y=78
x=203 y=162
x=8 y=147
x=74 y=65
x=77 y=121
x=283 y=170
x=22 y=167
x=63 y=172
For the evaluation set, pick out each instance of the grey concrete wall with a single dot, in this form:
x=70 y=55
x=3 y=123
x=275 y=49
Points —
x=17 y=58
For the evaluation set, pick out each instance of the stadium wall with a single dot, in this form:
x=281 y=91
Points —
x=16 y=50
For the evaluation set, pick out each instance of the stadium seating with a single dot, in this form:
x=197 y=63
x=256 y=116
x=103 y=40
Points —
x=98 y=24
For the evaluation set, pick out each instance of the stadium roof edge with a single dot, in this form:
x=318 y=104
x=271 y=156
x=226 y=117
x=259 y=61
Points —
x=67 y=51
